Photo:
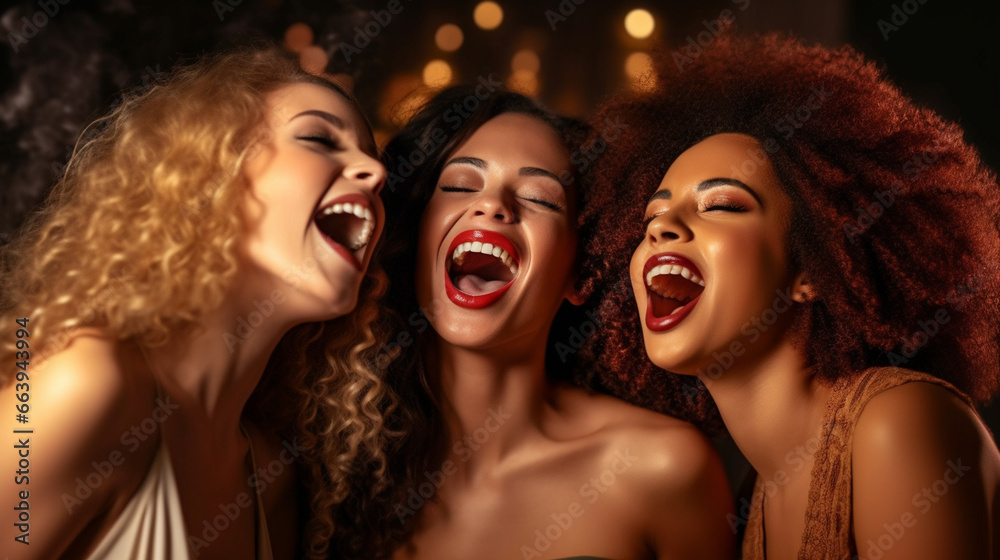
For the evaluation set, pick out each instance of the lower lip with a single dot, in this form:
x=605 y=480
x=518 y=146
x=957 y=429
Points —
x=340 y=250
x=462 y=299
x=660 y=324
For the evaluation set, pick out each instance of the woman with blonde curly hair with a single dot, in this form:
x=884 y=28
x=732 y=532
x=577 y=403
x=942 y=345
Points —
x=205 y=224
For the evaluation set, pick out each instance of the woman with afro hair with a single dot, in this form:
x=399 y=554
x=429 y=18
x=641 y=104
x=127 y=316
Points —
x=819 y=256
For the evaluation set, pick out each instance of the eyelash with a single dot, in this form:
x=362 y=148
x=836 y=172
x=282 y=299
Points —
x=324 y=140
x=724 y=206
x=545 y=203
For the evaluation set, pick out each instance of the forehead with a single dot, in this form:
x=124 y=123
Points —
x=727 y=155
x=517 y=138
x=289 y=100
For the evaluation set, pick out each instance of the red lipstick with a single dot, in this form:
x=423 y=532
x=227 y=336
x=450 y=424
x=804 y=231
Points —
x=469 y=301
x=664 y=323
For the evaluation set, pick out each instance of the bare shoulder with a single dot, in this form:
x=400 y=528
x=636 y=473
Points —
x=920 y=453
x=920 y=416
x=666 y=453
x=82 y=391
x=81 y=399
x=667 y=476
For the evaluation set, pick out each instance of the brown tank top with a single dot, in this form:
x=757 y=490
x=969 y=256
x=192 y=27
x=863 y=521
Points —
x=829 y=515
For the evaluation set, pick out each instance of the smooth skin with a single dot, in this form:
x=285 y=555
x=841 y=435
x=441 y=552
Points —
x=95 y=401
x=770 y=402
x=537 y=469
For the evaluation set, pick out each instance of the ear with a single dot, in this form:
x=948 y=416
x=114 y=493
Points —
x=574 y=296
x=802 y=290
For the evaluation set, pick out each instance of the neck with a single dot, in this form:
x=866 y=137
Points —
x=210 y=370
x=491 y=400
x=774 y=411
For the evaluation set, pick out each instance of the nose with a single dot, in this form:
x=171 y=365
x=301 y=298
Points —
x=668 y=226
x=494 y=204
x=368 y=171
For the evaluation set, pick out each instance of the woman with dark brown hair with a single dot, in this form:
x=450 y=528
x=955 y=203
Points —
x=483 y=202
x=804 y=241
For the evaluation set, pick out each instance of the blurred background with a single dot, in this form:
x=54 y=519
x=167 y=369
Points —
x=65 y=62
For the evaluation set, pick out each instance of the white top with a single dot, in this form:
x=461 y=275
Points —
x=152 y=525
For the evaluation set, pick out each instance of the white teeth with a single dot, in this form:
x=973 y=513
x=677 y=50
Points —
x=359 y=211
x=486 y=249
x=665 y=269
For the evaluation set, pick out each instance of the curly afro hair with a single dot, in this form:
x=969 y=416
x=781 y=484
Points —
x=895 y=220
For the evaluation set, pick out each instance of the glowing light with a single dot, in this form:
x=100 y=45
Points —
x=313 y=59
x=639 y=23
x=437 y=73
x=524 y=82
x=488 y=15
x=639 y=69
x=526 y=60
x=396 y=91
x=449 y=37
x=298 y=36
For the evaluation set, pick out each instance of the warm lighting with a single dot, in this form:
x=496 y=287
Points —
x=449 y=37
x=313 y=59
x=640 y=24
x=410 y=105
x=488 y=15
x=639 y=69
x=526 y=60
x=298 y=36
x=524 y=82
x=437 y=73
x=398 y=88
x=343 y=80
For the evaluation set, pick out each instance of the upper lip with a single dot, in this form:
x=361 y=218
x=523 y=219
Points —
x=485 y=237
x=687 y=268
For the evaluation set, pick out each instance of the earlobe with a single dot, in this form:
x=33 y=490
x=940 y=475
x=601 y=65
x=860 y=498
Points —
x=802 y=290
x=574 y=297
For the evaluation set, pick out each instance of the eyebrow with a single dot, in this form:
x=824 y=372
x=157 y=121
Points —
x=665 y=194
x=720 y=182
x=328 y=117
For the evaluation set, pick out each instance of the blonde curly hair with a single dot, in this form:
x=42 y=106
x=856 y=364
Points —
x=139 y=238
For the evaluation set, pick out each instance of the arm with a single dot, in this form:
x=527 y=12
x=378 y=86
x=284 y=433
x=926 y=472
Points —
x=922 y=465
x=687 y=500
x=76 y=410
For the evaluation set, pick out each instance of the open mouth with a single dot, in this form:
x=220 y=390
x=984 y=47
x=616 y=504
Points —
x=347 y=223
x=482 y=266
x=673 y=287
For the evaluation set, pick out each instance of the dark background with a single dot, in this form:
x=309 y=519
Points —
x=71 y=70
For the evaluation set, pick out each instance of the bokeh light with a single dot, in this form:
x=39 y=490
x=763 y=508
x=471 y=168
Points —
x=488 y=15
x=313 y=59
x=639 y=23
x=527 y=60
x=524 y=82
x=298 y=36
x=437 y=73
x=449 y=37
x=639 y=69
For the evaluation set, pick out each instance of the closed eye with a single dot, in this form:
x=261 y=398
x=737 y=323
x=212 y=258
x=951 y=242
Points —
x=545 y=203
x=728 y=207
x=323 y=140
x=450 y=188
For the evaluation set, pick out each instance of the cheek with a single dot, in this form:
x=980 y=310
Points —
x=635 y=273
